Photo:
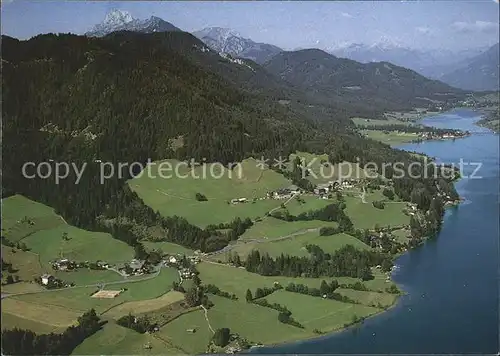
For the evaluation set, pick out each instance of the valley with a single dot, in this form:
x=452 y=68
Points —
x=233 y=194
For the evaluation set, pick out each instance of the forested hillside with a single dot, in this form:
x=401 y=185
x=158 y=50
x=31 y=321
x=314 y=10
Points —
x=357 y=86
x=128 y=97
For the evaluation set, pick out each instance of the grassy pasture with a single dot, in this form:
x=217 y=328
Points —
x=359 y=121
x=22 y=287
x=391 y=138
x=191 y=343
x=11 y=321
x=167 y=247
x=85 y=277
x=295 y=207
x=369 y=297
x=176 y=195
x=56 y=316
x=82 y=245
x=114 y=339
x=144 y=306
x=401 y=235
x=79 y=299
x=272 y=228
x=366 y=216
x=247 y=319
x=15 y=207
x=318 y=313
x=44 y=239
x=244 y=318
x=238 y=280
x=295 y=245
x=26 y=263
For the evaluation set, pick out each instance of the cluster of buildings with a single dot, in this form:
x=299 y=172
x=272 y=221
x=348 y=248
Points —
x=64 y=265
x=184 y=269
x=322 y=190
x=50 y=282
x=284 y=193
x=437 y=136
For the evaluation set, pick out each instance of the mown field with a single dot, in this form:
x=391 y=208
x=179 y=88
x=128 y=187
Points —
x=114 y=339
x=66 y=305
x=44 y=235
x=241 y=317
x=391 y=137
x=359 y=121
x=176 y=195
x=144 y=305
x=271 y=228
x=318 y=313
x=167 y=247
x=295 y=245
x=365 y=216
x=238 y=280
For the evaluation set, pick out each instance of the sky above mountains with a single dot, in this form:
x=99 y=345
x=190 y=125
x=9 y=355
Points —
x=449 y=25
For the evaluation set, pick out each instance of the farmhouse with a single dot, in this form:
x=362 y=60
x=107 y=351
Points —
x=137 y=265
x=46 y=278
x=63 y=265
x=283 y=193
x=239 y=200
x=322 y=189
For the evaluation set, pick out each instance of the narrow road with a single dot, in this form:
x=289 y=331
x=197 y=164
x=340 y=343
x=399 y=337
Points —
x=208 y=321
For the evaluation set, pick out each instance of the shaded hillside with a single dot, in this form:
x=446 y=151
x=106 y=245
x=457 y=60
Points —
x=480 y=73
x=379 y=86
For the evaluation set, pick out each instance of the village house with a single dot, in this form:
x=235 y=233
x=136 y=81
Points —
x=283 y=193
x=239 y=200
x=63 y=265
x=46 y=278
x=322 y=189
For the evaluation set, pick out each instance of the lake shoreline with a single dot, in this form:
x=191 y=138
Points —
x=398 y=301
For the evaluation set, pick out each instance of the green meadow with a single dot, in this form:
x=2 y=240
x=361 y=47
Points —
x=359 y=121
x=114 y=339
x=272 y=228
x=318 y=313
x=365 y=216
x=391 y=137
x=177 y=195
x=296 y=245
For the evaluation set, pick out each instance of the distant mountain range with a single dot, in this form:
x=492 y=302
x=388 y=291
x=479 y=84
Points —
x=478 y=73
x=324 y=77
x=339 y=80
x=228 y=41
x=431 y=63
x=117 y=20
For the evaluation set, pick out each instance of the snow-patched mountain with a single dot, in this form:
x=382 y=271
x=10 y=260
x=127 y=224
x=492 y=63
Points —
x=118 y=20
x=431 y=63
x=478 y=73
x=224 y=40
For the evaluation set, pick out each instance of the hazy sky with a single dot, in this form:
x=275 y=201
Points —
x=419 y=24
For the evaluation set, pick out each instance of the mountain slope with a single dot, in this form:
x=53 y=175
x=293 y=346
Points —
x=430 y=63
x=380 y=86
x=478 y=73
x=227 y=41
x=117 y=20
